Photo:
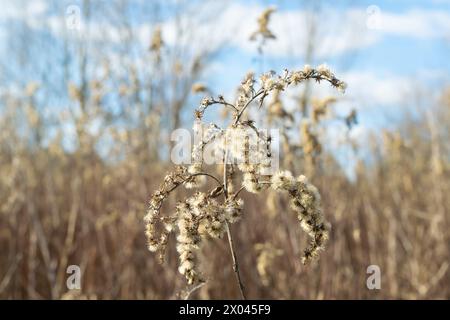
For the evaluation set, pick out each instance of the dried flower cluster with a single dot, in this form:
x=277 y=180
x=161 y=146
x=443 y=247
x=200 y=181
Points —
x=320 y=108
x=263 y=25
x=305 y=200
x=310 y=144
x=199 y=88
x=243 y=153
x=156 y=43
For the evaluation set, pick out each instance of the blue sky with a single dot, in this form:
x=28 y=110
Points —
x=385 y=50
x=409 y=47
x=406 y=51
x=412 y=39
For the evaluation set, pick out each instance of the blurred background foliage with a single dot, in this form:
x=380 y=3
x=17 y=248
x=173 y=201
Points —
x=89 y=94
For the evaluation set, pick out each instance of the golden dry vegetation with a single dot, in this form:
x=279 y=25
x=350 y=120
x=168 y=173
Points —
x=61 y=206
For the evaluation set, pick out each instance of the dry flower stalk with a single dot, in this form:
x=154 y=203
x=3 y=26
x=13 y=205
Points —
x=267 y=254
x=263 y=25
x=209 y=214
x=156 y=43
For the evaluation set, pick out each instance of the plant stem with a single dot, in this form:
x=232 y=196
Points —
x=188 y=294
x=235 y=263
x=230 y=238
x=246 y=105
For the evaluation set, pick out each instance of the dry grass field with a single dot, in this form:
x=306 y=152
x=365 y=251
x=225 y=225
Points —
x=79 y=196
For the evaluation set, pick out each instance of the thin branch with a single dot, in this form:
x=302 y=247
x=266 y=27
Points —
x=206 y=175
x=230 y=238
x=186 y=179
x=235 y=263
x=225 y=174
x=192 y=290
x=9 y=274
x=246 y=105
x=239 y=191
x=223 y=102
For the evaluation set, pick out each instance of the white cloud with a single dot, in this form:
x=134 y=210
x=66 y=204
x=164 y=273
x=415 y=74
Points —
x=234 y=25
x=416 y=23
x=30 y=11
x=339 y=31
x=376 y=90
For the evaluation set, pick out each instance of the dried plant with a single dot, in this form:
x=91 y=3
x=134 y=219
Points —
x=263 y=33
x=203 y=215
x=157 y=43
x=59 y=207
x=199 y=88
x=263 y=25
x=74 y=181
x=266 y=256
